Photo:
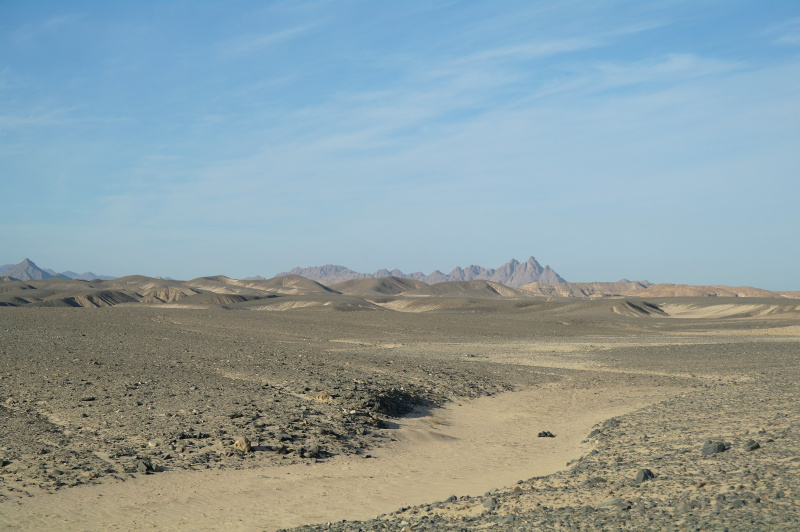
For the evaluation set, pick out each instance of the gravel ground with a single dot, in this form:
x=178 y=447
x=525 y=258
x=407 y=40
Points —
x=87 y=394
x=723 y=457
x=92 y=395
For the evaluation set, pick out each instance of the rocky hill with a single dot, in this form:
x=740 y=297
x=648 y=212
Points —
x=27 y=270
x=513 y=273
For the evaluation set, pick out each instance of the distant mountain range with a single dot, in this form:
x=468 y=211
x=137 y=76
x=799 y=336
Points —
x=512 y=273
x=27 y=270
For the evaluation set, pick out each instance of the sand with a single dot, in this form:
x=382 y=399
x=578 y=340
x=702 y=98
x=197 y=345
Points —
x=463 y=448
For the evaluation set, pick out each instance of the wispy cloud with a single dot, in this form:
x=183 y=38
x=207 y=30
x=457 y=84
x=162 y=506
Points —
x=29 y=33
x=42 y=117
x=51 y=115
x=250 y=44
x=534 y=50
x=670 y=68
x=59 y=21
x=792 y=36
x=785 y=33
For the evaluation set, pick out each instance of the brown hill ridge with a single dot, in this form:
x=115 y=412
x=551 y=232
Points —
x=639 y=289
x=461 y=290
x=383 y=286
x=383 y=294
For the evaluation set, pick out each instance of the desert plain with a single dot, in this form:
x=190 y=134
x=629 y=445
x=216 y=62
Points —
x=379 y=405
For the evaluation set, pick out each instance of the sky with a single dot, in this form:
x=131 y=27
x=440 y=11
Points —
x=640 y=140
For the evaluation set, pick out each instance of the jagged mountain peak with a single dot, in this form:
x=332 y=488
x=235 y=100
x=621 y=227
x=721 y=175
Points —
x=513 y=274
x=27 y=270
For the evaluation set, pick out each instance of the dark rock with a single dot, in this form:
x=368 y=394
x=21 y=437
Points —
x=490 y=503
x=546 y=434
x=144 y=466
x=393 y=402
x=314 y=451
x=644 y=475
x=751 y=445
x=713 y=447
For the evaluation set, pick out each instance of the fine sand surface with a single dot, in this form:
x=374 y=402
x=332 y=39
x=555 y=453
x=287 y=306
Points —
x=123 y=418
x=463 y=449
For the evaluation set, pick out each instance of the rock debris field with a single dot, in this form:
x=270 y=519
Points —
x=651 y=470
x=121 y=395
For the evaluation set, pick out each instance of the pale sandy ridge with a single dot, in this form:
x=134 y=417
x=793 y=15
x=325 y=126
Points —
x=461 y=449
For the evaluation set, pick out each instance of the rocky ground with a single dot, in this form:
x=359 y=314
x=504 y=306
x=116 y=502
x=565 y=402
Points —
x=723 y=457
x=92 y=395
x=649 y=473
x=112 y=393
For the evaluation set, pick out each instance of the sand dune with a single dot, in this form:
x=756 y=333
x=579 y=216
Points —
x=638 y=309
x=214 y=299
x=728 y=310
x=704 y=308
x=627 y=289
x=676 y=290
x=293 y=285
x=424 y=304
x=98 y=298
x=378 y=287
x=291 y=302
x=223 y=285
x=466 y=289
x=586 y=290
x=166 y=294
x=10 y=284
x=288 y=284
x=66 y=295
x=453 y=304
x=150 y=290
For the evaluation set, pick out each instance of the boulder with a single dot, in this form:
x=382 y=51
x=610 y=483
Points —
x=713 y=447
x=644 y=475
x=242 y=444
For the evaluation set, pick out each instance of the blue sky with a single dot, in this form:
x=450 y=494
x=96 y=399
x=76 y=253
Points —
x=647 y=140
